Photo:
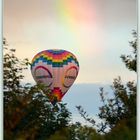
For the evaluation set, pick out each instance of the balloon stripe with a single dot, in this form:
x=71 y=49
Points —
x=54 y=61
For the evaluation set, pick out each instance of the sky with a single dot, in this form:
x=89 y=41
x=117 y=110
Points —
x=96 y=31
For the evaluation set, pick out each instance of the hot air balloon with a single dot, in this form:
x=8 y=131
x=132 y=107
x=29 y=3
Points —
x=56 y=69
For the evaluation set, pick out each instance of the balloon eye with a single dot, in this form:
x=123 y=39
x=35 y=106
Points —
x=69 y=76
x=43 y=75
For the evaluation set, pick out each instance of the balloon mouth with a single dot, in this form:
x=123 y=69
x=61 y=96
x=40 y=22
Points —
x=57 y=94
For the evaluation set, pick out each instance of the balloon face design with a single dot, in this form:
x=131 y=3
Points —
x=56 y=69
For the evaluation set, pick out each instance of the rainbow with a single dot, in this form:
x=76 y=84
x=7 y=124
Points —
x=75 y=12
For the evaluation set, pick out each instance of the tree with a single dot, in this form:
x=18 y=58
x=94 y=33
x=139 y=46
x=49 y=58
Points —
x=28 y=114
x=76 y=132
x=131 y=60
x=119 y=112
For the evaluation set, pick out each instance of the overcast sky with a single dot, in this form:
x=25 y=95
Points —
x=96 y=31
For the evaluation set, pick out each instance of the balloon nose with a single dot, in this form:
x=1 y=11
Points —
x=57 y=93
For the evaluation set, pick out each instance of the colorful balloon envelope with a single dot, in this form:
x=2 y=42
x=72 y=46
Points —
x=56 y=69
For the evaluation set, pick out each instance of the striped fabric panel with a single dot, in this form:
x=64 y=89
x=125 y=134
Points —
x=56 y=58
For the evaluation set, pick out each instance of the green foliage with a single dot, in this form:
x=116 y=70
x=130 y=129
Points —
x=77 y=132
x=131 y=60
x=121 y=106
x=13 y=68
x=124 y=130
x=28 y=113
